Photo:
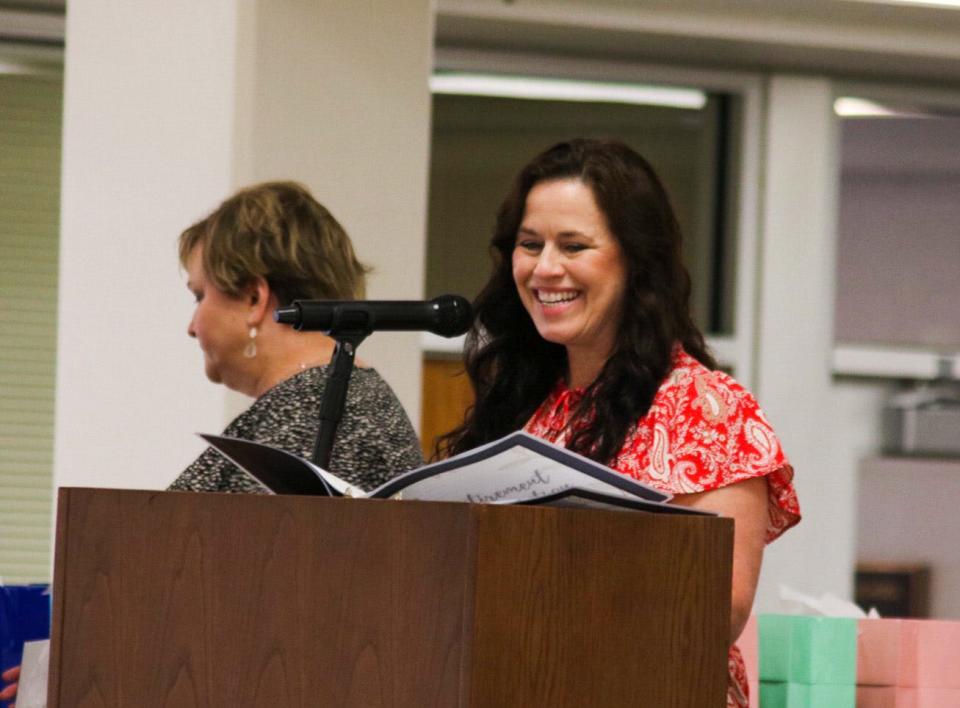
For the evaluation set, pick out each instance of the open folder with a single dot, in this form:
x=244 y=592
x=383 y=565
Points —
x=516 y=469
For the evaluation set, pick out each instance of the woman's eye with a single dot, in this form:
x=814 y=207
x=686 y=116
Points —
x=574 y=247
x=529 y=245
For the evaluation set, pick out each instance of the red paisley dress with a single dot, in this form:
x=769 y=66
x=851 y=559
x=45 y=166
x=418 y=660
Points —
x=703 y=431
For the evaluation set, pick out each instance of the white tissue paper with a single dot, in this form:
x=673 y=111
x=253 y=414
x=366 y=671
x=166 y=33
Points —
x=827 y=605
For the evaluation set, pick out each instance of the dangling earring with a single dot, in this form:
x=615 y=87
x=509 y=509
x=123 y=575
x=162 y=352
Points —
x=250 y=350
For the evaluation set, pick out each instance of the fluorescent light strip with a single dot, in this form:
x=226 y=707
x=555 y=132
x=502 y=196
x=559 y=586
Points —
x=952 y=4
x=539 y=89
x=9 y=68
x=849 y=107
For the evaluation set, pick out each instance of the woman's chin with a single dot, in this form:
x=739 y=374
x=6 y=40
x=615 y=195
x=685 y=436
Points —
x=554 y=335
x=213 y=373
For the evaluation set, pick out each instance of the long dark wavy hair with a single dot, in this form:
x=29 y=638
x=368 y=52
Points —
x=513 y=369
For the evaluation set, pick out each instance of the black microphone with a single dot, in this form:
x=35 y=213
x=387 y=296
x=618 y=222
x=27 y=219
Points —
x=446 y=315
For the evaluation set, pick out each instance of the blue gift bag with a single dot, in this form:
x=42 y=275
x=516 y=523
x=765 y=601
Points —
x=24 y=617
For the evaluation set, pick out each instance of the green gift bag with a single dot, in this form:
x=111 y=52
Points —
x=807 y=661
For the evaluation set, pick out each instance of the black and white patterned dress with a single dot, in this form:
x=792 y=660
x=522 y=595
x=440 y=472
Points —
x=375 y=440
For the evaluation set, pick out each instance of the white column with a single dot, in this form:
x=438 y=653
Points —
x=147 y=148
x=339 y=99
x=794 y=338
x=168 y=108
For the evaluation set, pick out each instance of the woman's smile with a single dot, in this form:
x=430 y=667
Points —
x=569 y=269
x=553 y=298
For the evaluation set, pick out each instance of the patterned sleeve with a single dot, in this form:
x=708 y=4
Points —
x=720 y=436
x=705 y=431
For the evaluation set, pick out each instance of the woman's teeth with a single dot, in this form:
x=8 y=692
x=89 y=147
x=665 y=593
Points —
x=556 y=298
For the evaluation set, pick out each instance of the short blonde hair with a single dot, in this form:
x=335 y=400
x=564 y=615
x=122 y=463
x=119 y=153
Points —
x=277 y=231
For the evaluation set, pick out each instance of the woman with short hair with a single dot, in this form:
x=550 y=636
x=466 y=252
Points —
x=262 y=248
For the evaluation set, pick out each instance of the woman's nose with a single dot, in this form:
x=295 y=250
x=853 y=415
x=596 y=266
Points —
x=548 y=263
x=191 y=331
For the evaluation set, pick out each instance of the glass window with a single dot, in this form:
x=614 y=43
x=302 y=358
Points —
x=30 y=127
x=898 y=240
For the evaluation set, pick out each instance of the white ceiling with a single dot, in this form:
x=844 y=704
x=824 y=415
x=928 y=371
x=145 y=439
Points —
x=838 y=37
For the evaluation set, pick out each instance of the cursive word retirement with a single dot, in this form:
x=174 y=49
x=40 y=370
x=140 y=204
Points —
x=528 y=487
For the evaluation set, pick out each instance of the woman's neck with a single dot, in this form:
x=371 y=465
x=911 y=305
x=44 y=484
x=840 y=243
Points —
x=287 y=355
x=584 y=366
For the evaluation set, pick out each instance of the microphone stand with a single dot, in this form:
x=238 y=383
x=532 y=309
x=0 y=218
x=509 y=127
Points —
x=335 y=393
x=349 y=323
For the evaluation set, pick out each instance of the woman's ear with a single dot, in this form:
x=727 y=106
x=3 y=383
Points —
x=258 y=297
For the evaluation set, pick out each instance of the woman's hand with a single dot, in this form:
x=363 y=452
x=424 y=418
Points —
x=746 y=503
x=10 y=676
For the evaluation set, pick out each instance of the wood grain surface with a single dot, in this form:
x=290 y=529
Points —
x=179 y=599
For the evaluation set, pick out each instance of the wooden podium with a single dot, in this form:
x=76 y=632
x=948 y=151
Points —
x=179 y=599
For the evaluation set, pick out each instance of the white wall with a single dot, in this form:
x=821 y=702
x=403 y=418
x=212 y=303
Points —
x=171 y=106
x=147 y=148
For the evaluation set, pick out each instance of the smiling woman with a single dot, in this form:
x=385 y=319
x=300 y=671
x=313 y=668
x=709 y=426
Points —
x=583 y=336
x=569 y=272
